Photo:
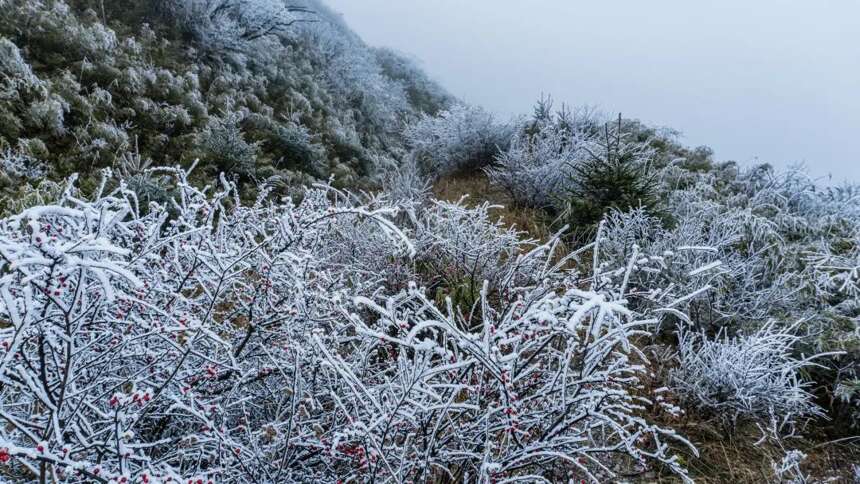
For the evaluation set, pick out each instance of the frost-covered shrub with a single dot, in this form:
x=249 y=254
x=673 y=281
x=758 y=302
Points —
x=798 y=206
x=14 y=70
x=17 y=164
x=111 y=135
x=754 y=376
x=290 y=141
x=775 y=246
x=834 y=272
x=459 y=248
x=688 y=257
x=358 y=254
x=461 y=138
x=158 y=328
x=223 y=145
x=96 y=41
x=404 y=183
x=733 y=252
x=537 y=166
x=542 y=392
x=48 y=115
x=145 y=186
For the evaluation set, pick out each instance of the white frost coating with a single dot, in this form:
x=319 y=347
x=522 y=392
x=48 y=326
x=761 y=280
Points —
x=705 y=268
x=292 y=330
x=753 y=376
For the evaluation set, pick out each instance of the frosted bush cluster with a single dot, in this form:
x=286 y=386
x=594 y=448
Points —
x=739 y=249
x=577 y=167
x=462 y=137
x=15 y=163
x=835 y=271
x=404 y=182
x=13 y=68
x=222 y=26
x=536 y=168
x=754 y=376
x=206 y=339
x=225 y=146
x=467 y=246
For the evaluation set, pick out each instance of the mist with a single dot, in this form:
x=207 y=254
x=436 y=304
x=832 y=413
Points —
x=772 y=81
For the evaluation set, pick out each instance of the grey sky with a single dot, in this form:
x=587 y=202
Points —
x=773 y=80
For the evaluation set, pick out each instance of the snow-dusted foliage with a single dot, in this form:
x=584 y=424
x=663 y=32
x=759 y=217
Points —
x=537 y=167
x=835 y=271
x=463 y=247
x=14 y=163
x=541 y=392
x=578 y=166
x=755 y=376
x=615 y=173
x=131 y=342
x=223 y=26
x=731 y=252
x=206 y=339
x=462 y=137
x=780 y=246
x=15 y=72
x=404 y=182
x=224 y=145
x=788 y=471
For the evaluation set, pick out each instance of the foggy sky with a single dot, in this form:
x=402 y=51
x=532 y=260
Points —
x=767 y=80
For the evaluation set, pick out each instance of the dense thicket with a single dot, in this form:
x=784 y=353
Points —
x=159 y=326
x=285 y=342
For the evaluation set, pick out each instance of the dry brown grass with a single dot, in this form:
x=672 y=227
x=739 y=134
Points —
x=480 y=190
x=734 y=456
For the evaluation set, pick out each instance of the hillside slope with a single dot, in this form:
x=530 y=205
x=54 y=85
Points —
x=247 y=88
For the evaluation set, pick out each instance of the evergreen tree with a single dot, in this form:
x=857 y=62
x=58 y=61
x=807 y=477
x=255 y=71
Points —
x=614 y=174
